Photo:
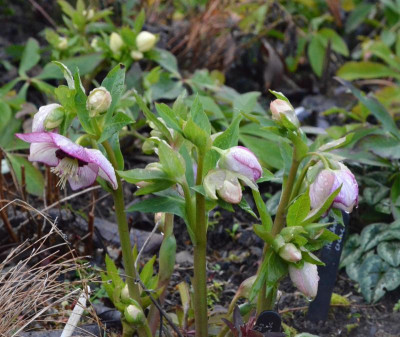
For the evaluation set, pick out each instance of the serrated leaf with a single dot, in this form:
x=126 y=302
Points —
x=115 y=84
x=112 y=273
x=169 y=116
x=80 y=104
x=199 y=116
x=168 y=204
x=298 y=210
x=171 y=161
x=118 y=121
x=67 y=74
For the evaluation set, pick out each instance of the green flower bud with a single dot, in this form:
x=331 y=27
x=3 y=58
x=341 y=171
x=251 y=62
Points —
x=134 y=315
x=99 y=101
x=283 y=113
x=62 y=43
x=125 y=294
x=54 y=119
x=116 y=43
x=290 y=252
x=145 y=41
x=136 y=55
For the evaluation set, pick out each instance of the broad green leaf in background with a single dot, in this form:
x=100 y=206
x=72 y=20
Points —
x=85 y=63
x=245 y=102
x=352 y=250
x=316 y=54
x=390 y=252
x=364 y=70
x=370 y=235
x=377 y=277
x=337 y=43
x=167 y=204
x=30 y=56
x=118 y=121
x=5 y=115
x=165 y=59
x=357 y=16
x=33 y=178
x=376 y=108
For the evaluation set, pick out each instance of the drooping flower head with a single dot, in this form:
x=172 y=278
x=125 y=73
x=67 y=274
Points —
x=48 y=117
x=305 y=279
x=241 y=160
x=69 y=161
x=328 y=181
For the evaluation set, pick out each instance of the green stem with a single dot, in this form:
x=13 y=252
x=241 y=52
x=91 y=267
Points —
x=200 y=267
x=126 y=247
x=264 y=302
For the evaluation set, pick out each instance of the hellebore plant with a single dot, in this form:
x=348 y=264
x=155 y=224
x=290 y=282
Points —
x=197 y=171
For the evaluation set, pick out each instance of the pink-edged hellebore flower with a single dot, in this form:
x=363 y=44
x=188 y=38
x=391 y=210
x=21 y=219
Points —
x=69 y=161
x=225 y=183
x=41 y=118
x=305 y=279
x=241 y=160
x=328 y=181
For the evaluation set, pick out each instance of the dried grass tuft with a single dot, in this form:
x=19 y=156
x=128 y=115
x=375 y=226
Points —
x=31 y=280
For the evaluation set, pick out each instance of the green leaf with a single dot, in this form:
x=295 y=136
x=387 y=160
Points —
x=112 y=273
x=377 y=109
x=165 y=59
x=245 y=102
x=298 y=210
x=395 y=197
x=80 y=104
x=316 y=213
x=152 y=118
x=381 y=50
x=85 y=63
x=167 y=257
x=5 y=113
x=390 y=252
x=364 y=70
x=159 y=185
x=147 y=271
x=199 y=116
x=119 y=120
x=30 y=56
x=139 y=21
x=115 y=84
x=377 y=277
x=262 y=233
x=169 y=204
x=370 y=235
x=169 y=116
x=67 y=74
x=357 y=16
x=33 y=178
x=171 y=161
x=337 y=43
x=197 y=135
x=316 y=54
x=352 y=250
x=244 y=205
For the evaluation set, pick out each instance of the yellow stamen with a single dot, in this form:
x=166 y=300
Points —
x=67 y=168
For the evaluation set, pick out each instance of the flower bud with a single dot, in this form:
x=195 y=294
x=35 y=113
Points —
x=245 y=287
x=241 y=160
x=95 y=44
x=54 y=119
x=39 y=119
x=280 y=107
x=305 y=279
x=136 y=55
x=290 y=253
x=145 y=41
x=125 y=294
x=99 y=101
x=116 y=43
x=134 y=315
x=62 y=43
x=225 y=183
x=328 y=181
